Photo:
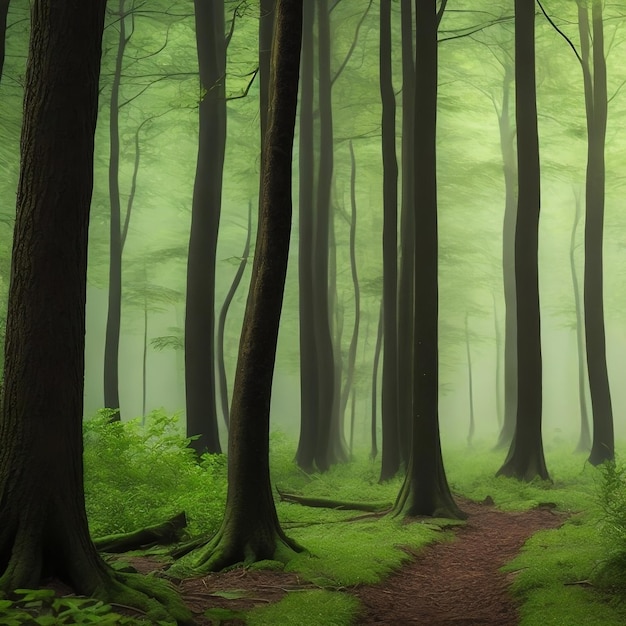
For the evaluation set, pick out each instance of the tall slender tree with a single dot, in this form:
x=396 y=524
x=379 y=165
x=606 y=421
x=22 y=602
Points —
x=4 y=10
x=391 y=441
x=250 y=530
x=43 y=524
x=309 y=401
x=594 y=73
x=425 y=490
x=407 y=244
x=200 y=382
x=525 y=459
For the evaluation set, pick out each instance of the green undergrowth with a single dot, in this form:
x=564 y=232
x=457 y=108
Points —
x=137 y=476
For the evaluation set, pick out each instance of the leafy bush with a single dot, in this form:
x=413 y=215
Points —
x=43 y=607
x=140 y=475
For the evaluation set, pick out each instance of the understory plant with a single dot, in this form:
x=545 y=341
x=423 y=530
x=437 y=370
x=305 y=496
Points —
x=138 y=475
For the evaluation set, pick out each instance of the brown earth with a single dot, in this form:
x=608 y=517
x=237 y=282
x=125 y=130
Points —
x=450 y=583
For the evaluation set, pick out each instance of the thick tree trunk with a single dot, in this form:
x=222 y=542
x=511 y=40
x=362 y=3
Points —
x=525 y=459
x=4 y=10
x=200 y=377
x=603 y=446
x=43 y=524
x=509 y=169
x=309 y=401
x=250 y=530
x=389 y=417
x=407 y=243
x=425 y=490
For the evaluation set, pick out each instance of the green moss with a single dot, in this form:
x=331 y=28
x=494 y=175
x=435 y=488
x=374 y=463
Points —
x=307 y=608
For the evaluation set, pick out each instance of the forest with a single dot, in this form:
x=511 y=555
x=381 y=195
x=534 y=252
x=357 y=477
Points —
x=312 y=312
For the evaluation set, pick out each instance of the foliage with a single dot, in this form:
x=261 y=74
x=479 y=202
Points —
x=137 y=476
x=45 y=608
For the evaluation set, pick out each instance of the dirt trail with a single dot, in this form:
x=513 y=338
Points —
x=454 y=583
x=458 y=582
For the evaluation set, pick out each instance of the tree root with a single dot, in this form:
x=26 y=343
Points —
x=165 y=533
x=339 y=505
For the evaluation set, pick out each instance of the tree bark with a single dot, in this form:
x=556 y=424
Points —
x=509 y=170
x=584 y=440
x=250 y=530
x=325 y=448
x=43 y=523
x=200 y=383
x=389 y=417
x=425 y=490
x=114 y=311
x=603 y=446
x=407 y=243
x=4 y=10
x=525 y=459
x=309 y=401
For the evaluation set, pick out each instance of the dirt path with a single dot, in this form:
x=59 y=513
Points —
x=455 y=583
x=458 y=582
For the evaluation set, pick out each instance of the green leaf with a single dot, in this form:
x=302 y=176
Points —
x=235 y=594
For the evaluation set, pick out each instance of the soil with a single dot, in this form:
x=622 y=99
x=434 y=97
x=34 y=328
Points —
x=450 y=583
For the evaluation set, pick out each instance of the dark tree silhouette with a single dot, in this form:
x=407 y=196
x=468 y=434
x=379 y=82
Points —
x=4 y=10
x=525 y=458
x=509 y=170
x=200 y=383
x=603 y=445
x=309 y=402
x=250 y=530
x=389 y=416
x=407 y=244
x=425 y=490
x=43 y=524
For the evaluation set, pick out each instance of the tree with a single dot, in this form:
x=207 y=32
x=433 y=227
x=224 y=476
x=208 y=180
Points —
x=4 y=10
x=200 y=383
x=43 y=524
x=391 y=441
x=525 y=459
x=407 y=244
x=603 y=446
x=250 y=530
x=425 y=490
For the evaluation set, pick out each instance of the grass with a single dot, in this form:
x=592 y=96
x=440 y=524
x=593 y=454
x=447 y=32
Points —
x=138 y=476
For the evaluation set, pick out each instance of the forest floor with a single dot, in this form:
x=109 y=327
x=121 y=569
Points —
x=456 y=582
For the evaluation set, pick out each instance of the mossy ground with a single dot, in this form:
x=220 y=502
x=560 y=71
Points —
x=557 y=576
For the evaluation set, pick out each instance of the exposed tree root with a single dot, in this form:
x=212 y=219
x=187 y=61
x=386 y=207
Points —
x=165 y=533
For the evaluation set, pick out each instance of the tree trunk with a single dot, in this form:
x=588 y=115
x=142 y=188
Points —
x=407 y=243
x=377 y=349
x=43 y=524
x=4 y=10
x=200 y=380
x=324 y=456
x=584 y=441
x=309 y=401
x=425 y=490
x=470 y=385
x=250 y=530
x=603 y=446
x=391 y=440
x=221 y=323
x=509 y=169
x=498 y=385
x=114 y=312
x=525 y=459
